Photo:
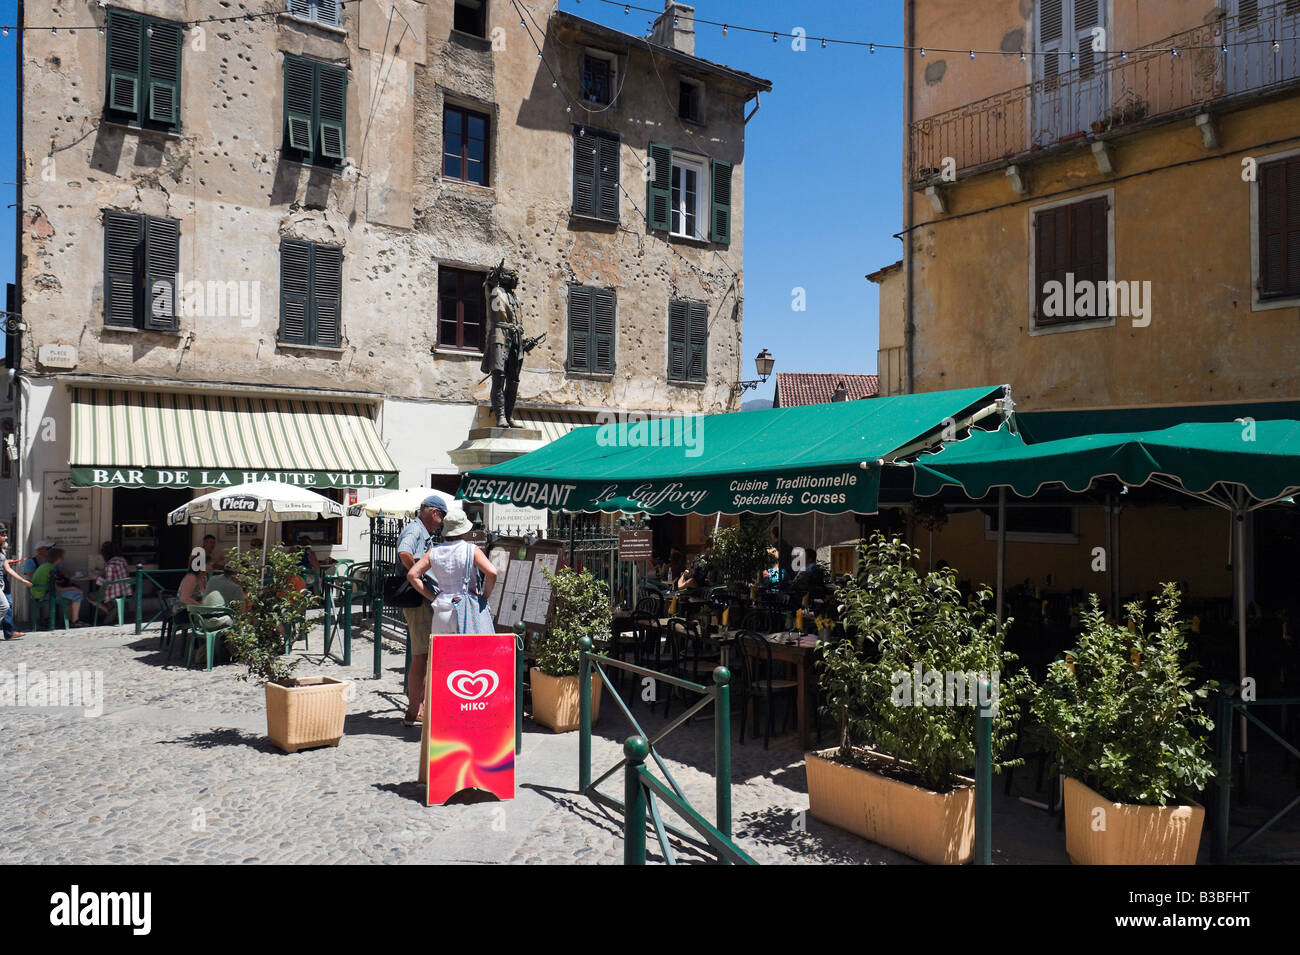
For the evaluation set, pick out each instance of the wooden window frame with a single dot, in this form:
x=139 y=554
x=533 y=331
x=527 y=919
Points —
x=465 y=114
x=140 y=116
x=1076 y=324
x=314 y=154
x=314 y=296
x=684 y=83
x=692 y=309
x=482 y=31
x=605 y=186
x=462 y=276
x=610 y=60
x=591 y=348
x=144 y=292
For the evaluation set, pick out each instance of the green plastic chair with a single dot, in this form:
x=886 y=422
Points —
x=207 y=624
x=121 y=611
x=43 y=611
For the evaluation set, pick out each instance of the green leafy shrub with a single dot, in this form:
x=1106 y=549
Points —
x=900 y=624
x=273 y=608
x=739 y=554
x=1122 y=710
x=581 y=609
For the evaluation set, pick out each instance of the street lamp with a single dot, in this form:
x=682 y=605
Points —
x=763 y=362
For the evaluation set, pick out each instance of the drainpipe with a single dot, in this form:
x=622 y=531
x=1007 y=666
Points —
x=909 y=17
x=21 y=509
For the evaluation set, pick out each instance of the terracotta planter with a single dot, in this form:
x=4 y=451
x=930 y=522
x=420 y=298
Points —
x=1125 y=834
x=306 y=713
x=938 y=828
x=555 y=700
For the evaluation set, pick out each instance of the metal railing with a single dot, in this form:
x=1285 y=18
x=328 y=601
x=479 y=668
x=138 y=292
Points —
x=642 y=791
x=338 y=602
x=142 y=577
x=1230 y=708
x=1112 y=91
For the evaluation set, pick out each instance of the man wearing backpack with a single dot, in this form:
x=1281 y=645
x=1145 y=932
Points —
x=416 y=538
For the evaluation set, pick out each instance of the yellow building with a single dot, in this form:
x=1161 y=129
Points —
x=1104 y=215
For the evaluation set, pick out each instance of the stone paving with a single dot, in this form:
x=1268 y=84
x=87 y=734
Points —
x=177 y=769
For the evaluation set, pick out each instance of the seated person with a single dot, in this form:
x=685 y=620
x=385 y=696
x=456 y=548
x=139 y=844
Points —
x=114 y=581
x=697 y=578
x=50 y=575
x=775 y=575
x=232 y=594
x=193 y=586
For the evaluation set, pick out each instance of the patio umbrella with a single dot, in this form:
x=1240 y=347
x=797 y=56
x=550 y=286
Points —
x=271 y=500
x=1240 y=466
x=403 y=503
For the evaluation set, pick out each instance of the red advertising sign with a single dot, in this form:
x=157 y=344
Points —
x=469 y=716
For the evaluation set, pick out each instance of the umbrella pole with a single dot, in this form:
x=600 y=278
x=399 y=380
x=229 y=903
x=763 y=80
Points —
x=1239 y=572
x=1002 y=549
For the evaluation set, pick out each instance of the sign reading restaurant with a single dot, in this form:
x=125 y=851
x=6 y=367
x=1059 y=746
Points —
x=226 y=477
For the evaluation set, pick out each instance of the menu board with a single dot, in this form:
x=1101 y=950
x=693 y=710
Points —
x=65 y=511
x=500 y=558
x=516 y=594
x=538 y=605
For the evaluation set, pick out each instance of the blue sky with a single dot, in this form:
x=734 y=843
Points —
x=822 y=169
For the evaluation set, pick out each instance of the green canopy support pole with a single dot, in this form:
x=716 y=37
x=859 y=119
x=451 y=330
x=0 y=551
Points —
x=1002 y=550
x=139 y=597
x=984 y=774
x=378 y=607
x=1239 y=573
x=636 y=749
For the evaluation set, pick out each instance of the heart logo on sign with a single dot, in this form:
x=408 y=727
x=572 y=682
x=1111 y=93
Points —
x=472 y=686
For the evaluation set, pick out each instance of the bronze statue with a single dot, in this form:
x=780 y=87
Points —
x=503 y=355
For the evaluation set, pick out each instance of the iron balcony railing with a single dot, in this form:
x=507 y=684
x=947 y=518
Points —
x=1102 y=92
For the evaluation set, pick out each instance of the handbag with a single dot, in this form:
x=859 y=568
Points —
x=398 y=592
x=470 y=611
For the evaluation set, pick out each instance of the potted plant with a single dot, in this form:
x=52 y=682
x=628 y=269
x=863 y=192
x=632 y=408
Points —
x=1126 y=718
x=581 y=608
x=739 y=555
x=300 y=713
x=904 y=685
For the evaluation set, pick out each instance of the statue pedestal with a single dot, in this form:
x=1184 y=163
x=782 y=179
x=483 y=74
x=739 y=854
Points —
x=488 y=446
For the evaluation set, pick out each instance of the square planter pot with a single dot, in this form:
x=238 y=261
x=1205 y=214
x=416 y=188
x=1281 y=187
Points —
x=555 y=700
x=1126 y=834
x=306 y=713
x=938 y=828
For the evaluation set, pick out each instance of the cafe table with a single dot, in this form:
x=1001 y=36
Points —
x=792 y=647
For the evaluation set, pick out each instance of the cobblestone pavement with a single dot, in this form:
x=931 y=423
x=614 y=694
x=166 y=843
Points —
x=177 y=769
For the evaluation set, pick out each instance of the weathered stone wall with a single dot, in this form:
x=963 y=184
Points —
x=224 y=177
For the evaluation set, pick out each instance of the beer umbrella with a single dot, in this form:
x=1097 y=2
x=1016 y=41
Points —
x=403 y=503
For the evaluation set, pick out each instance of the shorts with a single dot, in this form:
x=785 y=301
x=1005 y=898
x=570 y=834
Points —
x=419 y=624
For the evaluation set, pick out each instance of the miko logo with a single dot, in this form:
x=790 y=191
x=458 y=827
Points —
x=473 y=687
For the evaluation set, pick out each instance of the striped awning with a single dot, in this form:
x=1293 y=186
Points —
x=147 y=439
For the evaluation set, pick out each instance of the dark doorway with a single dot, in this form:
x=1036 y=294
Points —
x=140 y=526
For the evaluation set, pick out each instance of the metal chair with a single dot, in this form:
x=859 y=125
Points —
x=759 y=684
x=206 y=624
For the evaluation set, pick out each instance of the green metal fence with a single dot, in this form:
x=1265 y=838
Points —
x=1230 y=709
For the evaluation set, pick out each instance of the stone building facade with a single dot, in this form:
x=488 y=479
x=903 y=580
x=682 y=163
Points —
x=329 y=187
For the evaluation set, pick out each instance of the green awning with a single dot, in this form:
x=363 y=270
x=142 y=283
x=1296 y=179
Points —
x=823 y=458
x=1261 y=456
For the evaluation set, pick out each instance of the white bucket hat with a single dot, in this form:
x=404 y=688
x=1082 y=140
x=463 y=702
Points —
x=456 y=524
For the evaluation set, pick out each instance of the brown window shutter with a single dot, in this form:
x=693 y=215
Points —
x=1089 y=259
x=1072 y=239
x=1279 y=229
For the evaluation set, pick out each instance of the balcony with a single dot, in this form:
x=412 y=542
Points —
x=1114 y=92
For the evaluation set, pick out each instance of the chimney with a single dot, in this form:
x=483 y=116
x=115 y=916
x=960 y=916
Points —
x=681 y=36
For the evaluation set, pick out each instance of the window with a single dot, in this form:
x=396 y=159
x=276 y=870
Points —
x=688 y=100
x=461 y=309
x=141 y=259
x=321 y=11
x=464 y=145
x=688 y=197
x=143 y=84
x=597 y=78
x=315 y=110
x=1071 y=247
x=595 y=173
x=311 y=292
x=1051 y=524
x=688 y=340
x=591 y=330
x=1279 y=229
x=470 y=16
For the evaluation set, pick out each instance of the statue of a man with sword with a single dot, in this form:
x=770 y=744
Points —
x=503 y=355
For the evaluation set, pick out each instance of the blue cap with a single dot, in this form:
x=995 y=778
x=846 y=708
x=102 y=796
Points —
x=435 y=500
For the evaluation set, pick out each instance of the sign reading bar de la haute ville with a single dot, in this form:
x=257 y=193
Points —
x=227 y=477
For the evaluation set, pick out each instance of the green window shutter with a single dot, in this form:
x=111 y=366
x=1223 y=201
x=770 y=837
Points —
x=607 y=175
x=162 y=243
x=326 y=295
x=331 y=110
x=720 y=220
x=579 y=328
x=585 y=182
x=124 y=30
x=659 y=187
x=602 y=330
x=123 y=237
x=697 y=348
x=295 y=290
x=165 y=72
x=678 y=313
x=298 y=83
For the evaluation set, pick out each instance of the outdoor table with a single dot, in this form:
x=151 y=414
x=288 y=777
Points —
x=792 y=647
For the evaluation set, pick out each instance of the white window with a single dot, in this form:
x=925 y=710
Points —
x=690 y=188
x=321 y=11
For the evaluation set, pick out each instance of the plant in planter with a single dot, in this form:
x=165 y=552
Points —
x=300 y=713
x=904 y=686
x=1127 y=721
x=740 y=554
x=581 y=608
